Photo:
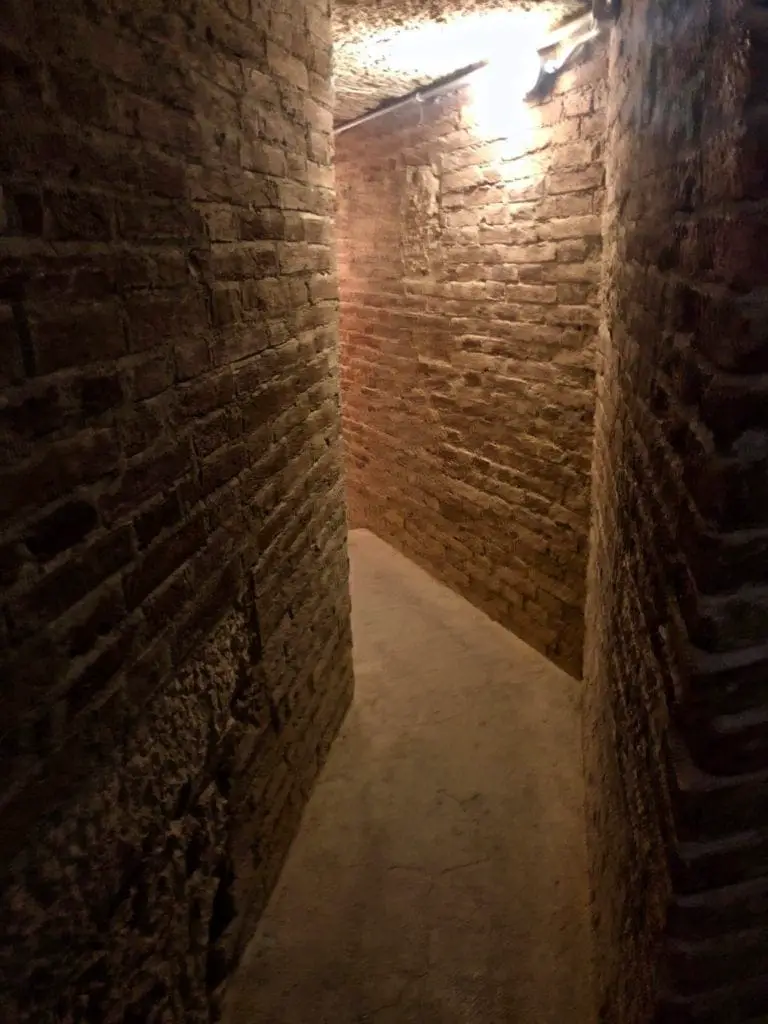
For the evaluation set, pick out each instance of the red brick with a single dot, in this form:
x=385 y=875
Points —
x=493 y=328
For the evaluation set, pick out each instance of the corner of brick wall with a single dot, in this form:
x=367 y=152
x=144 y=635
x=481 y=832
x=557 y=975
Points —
x=676 y=742
x=469 y=278
x=174 y=611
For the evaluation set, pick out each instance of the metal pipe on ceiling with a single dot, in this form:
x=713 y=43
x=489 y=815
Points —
x=417 y=96
x=578 y=31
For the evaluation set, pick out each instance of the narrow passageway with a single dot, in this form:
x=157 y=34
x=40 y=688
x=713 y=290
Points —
x=439 y=875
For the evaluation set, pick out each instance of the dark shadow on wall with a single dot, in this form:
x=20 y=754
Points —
x=676 y=626
x=173 y=573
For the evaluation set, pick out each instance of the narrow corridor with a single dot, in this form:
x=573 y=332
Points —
x=439 y=875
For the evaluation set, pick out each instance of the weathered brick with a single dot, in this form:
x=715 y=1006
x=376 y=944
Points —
x=202 y=397
x=83 y=459
x=23 y=212
x=165 y=513
x=82 y=335
x=284 y=66
x=295 y=258
x=226 y=305
x=105 y=613
x=148 y=421
x=12 y=559
x=162 y=560
x=78 y=215
x=145 y=478
x=81 y=93
x=93 y=679
x=205 y=611
x=11 y=362
x=577 y=103
x=256 y=259
x=145 y=161
x=222 y=467
x=575 y=181
x=573 y=227
x=153 y=375
x=61 y=529
x=467 y=364
x=99 y=394
x=674 y=728
x=262 y=223
x=140 y=222
x=169 y=601
x=64 y=587
x=152 y=317
x=192 y=358
x=32 y=414
x=215 y=431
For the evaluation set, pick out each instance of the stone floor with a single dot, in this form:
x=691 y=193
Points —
x=440 y=873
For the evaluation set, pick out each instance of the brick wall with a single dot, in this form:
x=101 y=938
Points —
x=676 y=742
x=173 y=573
x=469 y=272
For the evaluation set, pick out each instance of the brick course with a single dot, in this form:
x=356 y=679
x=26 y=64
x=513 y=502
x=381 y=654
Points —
x=675 y=654
x=173 y=574
x=469 y=271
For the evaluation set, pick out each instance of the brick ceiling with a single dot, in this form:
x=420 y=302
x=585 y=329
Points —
x=386 y=48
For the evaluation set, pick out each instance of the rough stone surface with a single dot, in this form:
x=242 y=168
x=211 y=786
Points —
x=439 y=876
x=173 y=573
x=469 y=271
x=676 y=738
x=387 y=48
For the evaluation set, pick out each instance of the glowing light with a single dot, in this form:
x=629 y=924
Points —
x=429 y=50
x=508 y=41
x=498 y=92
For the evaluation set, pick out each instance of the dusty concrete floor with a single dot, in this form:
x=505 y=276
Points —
x=440 y=873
